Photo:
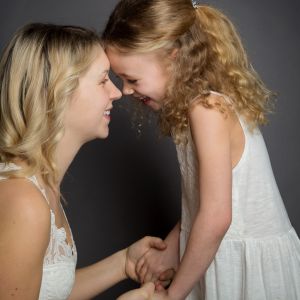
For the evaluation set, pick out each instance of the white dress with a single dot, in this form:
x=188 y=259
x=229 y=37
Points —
x=259 y=257
x=60 y=258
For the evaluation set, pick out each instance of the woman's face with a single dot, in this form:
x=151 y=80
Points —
x=88 y=114
x=144 y=76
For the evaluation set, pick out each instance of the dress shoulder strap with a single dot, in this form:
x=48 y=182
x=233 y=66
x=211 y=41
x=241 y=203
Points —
x=229 y=101
x=33 y=179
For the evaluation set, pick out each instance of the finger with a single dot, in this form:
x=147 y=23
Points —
x=159 y=287
x=150 y=276
x=167 y=275
x=157 y=243
x=143 y=293
x=143 y=273
x=165 y=283
x=139 y=265
x=149 y=288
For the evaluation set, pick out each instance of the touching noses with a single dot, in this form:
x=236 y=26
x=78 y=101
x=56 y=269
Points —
x=127 y=90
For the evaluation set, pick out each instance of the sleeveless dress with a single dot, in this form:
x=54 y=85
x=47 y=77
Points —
x=60 y=258
x=259 y=256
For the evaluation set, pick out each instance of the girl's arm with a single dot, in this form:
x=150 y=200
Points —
x=211 y=134
x=92 y=280
x=24 y=237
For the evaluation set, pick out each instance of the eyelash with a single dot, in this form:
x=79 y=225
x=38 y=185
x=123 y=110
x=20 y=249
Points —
x=104 y=81
x=132 y=81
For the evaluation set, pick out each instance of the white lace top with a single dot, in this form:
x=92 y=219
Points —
x=60 y=257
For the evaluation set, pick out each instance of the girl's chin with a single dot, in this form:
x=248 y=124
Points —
x=152 y=104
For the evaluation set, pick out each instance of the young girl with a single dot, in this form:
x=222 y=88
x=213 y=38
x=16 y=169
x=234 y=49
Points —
x=55 y=95
x=187 y=62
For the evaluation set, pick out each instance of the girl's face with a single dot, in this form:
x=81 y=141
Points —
x=143 y=76
x=88 y=114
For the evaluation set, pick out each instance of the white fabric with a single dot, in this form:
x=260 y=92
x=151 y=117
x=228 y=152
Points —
x=259 y=257
x=60 y=258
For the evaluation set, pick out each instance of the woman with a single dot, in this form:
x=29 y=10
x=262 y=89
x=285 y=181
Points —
x=55 y=96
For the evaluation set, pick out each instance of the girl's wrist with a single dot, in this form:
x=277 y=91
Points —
x=172 y=294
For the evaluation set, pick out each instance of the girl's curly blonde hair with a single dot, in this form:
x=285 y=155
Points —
x=210 y=57
x=39 y=71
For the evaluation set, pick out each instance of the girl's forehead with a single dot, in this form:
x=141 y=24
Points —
x=131 y=59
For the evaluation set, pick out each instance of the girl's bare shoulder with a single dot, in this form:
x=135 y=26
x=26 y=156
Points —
x=213 y=109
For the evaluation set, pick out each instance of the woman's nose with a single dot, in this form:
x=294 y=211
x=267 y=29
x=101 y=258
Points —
x=115 y=93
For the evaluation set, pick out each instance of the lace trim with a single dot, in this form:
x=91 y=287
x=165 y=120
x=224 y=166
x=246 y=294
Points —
x=59 y=250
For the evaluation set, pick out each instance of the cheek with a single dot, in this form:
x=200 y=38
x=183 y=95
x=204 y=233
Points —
x=96 y=99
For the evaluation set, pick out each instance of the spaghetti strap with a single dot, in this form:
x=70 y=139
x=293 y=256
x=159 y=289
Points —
x=32 y=179
x=230 y=101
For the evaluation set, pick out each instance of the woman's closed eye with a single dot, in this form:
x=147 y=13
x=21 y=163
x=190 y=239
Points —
x=104 y=81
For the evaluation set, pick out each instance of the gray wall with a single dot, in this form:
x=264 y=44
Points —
x=123 y=188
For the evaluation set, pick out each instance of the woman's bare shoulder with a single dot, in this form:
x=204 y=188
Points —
x=24 y=237
x=21 y=200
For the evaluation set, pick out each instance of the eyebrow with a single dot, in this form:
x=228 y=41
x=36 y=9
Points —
x=103 y=73
x=126 y=75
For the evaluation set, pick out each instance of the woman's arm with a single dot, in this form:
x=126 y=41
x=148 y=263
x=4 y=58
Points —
x=24 y=237
x=144 y=293
x=92 y=280
x=211 y=134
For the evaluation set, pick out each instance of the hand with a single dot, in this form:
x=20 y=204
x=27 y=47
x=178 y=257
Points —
x=137 y=250
x=143 y=293
x=164 y=280
x=156 y=263
x=162 y=295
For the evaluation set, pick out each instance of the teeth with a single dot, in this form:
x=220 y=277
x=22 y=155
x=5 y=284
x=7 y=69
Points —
x=107 y=113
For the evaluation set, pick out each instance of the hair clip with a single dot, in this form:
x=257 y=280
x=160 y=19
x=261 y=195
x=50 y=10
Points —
x=195 y=4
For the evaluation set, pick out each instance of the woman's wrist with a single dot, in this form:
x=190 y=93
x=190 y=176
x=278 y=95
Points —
x=122 y=258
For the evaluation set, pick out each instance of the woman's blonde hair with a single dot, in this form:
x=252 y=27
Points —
x=39 y=71
x=210 y=57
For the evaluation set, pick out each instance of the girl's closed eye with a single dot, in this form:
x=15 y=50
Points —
x=132 y=81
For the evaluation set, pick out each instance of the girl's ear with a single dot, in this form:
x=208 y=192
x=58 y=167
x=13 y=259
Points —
x=174 y=52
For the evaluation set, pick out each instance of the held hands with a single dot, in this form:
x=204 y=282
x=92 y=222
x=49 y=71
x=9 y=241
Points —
x=138 y=250
x=158 y=266
x=150 y=254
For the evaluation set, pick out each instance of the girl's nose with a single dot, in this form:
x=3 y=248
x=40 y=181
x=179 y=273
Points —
x=127 y=90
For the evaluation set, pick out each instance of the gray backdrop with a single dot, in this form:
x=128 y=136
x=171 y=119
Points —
x=124 y=187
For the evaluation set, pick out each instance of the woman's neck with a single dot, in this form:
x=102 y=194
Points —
x=66 y=150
